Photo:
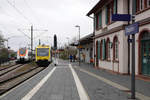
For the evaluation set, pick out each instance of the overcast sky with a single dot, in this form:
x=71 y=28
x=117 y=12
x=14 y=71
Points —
x=57 y=16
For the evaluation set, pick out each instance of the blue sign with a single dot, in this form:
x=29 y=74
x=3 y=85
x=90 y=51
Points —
x=121 y=17
x=132 y=29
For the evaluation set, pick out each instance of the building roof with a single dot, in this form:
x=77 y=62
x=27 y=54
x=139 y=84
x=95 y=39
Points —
x=84 y=40
x=97 y=6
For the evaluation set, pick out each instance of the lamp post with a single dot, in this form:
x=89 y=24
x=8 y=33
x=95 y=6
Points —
x=79 y=42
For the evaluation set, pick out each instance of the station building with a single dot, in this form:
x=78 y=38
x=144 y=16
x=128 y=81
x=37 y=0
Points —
x=112 y=49
x=86 y=48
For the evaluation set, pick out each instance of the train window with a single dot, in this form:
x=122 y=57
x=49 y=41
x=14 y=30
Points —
x=42 y=51
x=22 y=51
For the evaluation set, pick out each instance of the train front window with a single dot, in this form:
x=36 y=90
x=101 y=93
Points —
x=42 y=51
x=22 y=51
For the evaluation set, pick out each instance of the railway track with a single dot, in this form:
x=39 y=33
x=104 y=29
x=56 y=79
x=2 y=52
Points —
x=15 y=72
x=9 y=69
x=15 y=75
x=6 y=67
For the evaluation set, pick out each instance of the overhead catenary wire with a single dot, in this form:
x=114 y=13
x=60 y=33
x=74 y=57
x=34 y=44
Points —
x=19 y=11
x=32 y=11
x=24 y=33
x=12 y=17
x=14 y=20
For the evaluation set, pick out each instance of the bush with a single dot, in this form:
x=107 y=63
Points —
x=3 y=55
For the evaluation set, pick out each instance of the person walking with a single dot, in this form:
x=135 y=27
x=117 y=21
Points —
x=71 y=58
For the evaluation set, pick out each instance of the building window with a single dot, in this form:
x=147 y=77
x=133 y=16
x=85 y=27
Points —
x=108 y=49
x=111 y=8
x=142 y=4
x=110 y=12
x=115 y=48
x=148 y=3
x=104 y=50
x=99 y=20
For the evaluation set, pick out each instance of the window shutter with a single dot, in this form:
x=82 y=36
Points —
x=104 y=50
x=98 y=49
x=94 y=22
x=115 y=7
x=134 y=7
x=100 y=19
x=106 y=15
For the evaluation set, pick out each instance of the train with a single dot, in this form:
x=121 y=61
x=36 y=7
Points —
x=23 y=55
x=43 y=55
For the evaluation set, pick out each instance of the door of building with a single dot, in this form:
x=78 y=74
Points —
x=145 y=57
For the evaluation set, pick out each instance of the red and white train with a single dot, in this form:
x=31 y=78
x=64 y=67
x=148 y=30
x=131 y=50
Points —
x=23 y=55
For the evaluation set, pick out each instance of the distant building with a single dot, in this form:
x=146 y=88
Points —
x=111 y=44
x=86 y=48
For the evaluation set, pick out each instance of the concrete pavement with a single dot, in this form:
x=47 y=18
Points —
x=59 y=86
x=65 y=82
x=142 y=87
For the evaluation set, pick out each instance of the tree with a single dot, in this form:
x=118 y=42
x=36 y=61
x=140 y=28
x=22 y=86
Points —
x=4 y=53
x=1 y=41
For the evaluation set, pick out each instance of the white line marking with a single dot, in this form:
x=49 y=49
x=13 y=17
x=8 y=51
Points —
x=118 y=86
x=38 y=86
x=81 y=91
x=25 y=82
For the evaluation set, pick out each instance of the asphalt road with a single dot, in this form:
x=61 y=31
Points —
x=64 y=82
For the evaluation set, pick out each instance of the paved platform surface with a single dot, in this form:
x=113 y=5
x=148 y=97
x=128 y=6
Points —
x=65 y=82
x=60 y=86
x=142 y=86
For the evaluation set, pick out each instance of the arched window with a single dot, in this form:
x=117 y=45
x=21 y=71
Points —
x=145 y=35
x=144 y=53
x=108 y=49
x=115 y=48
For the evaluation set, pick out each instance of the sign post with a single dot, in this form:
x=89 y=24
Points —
x=130 y=30
x=133 y=53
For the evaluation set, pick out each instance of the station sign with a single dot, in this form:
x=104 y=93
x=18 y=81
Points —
x=132 y=29
x=121 y=17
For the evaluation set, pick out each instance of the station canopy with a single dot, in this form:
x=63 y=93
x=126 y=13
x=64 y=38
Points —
x=84 y=40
